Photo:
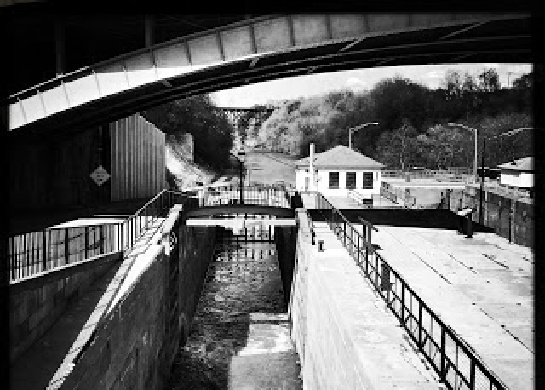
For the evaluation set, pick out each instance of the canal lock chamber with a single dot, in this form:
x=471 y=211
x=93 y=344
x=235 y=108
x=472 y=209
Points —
x=239 y=336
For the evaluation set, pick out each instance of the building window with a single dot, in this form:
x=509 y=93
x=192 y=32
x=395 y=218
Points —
x=367 y=180
x=333 y=179
x=351 y=180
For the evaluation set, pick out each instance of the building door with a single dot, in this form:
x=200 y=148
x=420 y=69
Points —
x=307 y=181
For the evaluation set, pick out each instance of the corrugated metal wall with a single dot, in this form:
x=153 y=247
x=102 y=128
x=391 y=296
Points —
x=52 y=171
x=137 y=159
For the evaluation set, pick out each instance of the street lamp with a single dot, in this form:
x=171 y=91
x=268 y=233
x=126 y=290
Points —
x=240 y=157
x=475 y=149
x=506 y=134
x=351 y=130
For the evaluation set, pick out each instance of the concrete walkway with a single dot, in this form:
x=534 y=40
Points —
x=385 y=358
x=480 y=286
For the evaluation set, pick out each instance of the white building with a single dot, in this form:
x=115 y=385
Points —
x=518 y=173
x=339 y=170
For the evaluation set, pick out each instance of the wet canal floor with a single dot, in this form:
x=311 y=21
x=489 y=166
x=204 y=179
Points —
x=240 y=335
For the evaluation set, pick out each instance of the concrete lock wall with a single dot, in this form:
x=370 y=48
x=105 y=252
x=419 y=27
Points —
x=136 y=342
x=326 y=347
x=285 y=240
x=510 y=218
x=35 y=304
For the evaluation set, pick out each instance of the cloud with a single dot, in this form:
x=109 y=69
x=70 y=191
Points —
x=435 y=75
x=355 y=82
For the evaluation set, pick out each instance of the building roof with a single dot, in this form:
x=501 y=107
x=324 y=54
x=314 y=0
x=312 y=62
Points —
x=341 y=157
x=522 y=164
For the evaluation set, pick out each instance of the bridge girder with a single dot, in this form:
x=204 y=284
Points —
x=263 y=49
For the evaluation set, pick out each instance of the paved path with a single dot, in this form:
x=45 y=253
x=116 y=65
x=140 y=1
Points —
x=387 y=358
x=480 y=286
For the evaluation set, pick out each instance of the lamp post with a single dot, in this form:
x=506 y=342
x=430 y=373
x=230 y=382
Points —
x=351 y=130
x=506 y=134
x=475 y=131
x=240 y=157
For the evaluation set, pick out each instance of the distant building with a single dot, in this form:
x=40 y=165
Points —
x=518 y=173
x=339 y=170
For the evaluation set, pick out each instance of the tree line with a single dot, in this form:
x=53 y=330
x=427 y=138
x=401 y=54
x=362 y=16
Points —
x=412 y=121
x=212 y=133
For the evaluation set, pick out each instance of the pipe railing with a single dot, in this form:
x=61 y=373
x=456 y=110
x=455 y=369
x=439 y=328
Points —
x=35 y=252
x=453 y=359
x=157 y=207
x=276 y=196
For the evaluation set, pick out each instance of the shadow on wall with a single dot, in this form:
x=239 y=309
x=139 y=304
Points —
x=423 y=218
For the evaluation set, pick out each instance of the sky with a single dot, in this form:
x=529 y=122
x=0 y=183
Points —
x=357 y=80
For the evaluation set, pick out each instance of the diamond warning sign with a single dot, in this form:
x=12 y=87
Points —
x=100 y=175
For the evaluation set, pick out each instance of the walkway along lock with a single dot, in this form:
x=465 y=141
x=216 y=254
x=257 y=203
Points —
x=457 y=365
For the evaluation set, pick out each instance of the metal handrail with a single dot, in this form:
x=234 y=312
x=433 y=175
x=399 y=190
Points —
x=36 y=252
x=450 y=355
x=265 y=195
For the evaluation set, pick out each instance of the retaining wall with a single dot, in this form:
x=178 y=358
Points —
x=510 y=218
x=134 y=344
x=38 y=301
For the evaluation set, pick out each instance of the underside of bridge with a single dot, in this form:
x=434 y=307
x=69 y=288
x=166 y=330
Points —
x=179 y=56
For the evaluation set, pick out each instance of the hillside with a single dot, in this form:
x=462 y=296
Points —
x=185 y=172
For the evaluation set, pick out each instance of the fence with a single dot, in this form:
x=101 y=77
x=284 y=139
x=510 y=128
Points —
x=45 y=250
x=452 y=358
x=277 y=196
x=451 y=174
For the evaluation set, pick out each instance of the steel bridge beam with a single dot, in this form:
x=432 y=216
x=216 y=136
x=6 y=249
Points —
x=261 y=48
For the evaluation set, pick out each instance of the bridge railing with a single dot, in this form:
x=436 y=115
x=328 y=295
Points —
x=157 y=207
x=453 y=359
x=276 y=196
x=35 y=252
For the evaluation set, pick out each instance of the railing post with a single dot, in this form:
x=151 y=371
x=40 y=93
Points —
x=376 y=271
x=86 y=242
x=366 y=259
x=443 y=372
x=25 y=254
x=66 y=247
x=358 y=251
x=472 y=374
x=403 y=304
x=420 y=324
x=101 y=232
x=44 y=244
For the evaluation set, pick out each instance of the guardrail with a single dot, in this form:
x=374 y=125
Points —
x=452 y=174
x=157 y=207
x=35 y=252
x=453 y=359
x=277 y=196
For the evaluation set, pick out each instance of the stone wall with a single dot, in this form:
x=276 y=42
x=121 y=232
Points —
x=37 y=302
x=299 y=288
x=134 y=344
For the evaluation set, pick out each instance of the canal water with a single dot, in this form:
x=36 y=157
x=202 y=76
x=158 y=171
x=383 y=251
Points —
x=240 y=335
